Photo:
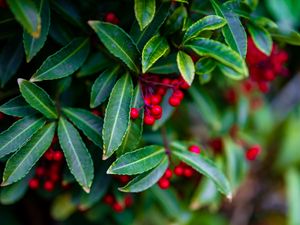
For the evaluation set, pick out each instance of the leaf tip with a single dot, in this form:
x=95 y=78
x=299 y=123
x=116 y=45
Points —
x=91 y=22
x=86 y=189
x=105 y=157
x=123 y=189
x=229 y=197
x=20 y=80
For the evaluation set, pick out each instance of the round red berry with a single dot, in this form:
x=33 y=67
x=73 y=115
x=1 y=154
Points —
x=161 y=91
x=188 y=172
x=40 y=171
x=184 y=85
x=58 y=156
x=48 y=185
x=147 y=101
x=174 y=101
x=117 y=207
x=168 y=174
x=179 y=94
x=178 y=170
x=253 y=152
x=156 y=110
x=149 y=120
x=195 y=149
x=128 y=200
x=108 y=199
x=34 y=183
x=134 y=113
x=155 y=99
x=164 y=183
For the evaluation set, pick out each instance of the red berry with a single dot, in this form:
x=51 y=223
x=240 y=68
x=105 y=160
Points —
x=156 y=110
x=179 y=94
x=1 y=116
x=58 y=156
x=164 y=183
x=49 y=154
x=117 y=207
x=40 y=171
x=263 y=87
x=161 y=91
x=124 y=179
x=48 y=185
x=147 y=101
x=253 y=152
x=166 y=81
x=184 y=85
x=178 y=170
x=149 y=120
x=134 y=113
x=155 y=99
x=111 y=18
x=168 y=174
x=195 y=149
x=174 y=101
x=128 y=200
x=188 y=172
x=96 y=112
x=34 y=183
x=108 y=199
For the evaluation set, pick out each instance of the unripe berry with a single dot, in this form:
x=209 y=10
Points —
x=149 y=120
x=195 y=149
x=174 y=101
x=156 y=110
x=34 y=184
x=134 y=113
x=164 y=183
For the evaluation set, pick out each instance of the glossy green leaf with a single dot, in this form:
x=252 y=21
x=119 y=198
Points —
x=203 y=166
x=37 y=98
x=175 y=21
x=165 y=65
x=211 y=22
x=17 y=107
x=229 y=72
x=144 y=11
x=90 y=124
x=116 y=118
x=94 y=64
x=292 y=178
x=103 y=86
x=186 y=66
x=205 y=65
x=220 y=52
x=13 y=193
x=155 y=48
x=261 y=38
x=287 y=36
x=33 y=45
x=64 y=62
x=18 y=134
x=148 y=179
x=11 y=58
x=135 y=127
x=27 y=15
x=142 y=37
x=118 y=43
x=20 y=163
x=138 y=161
x=77 y=155
x=233 y=32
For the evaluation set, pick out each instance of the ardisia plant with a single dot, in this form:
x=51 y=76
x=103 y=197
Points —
x=105 y=97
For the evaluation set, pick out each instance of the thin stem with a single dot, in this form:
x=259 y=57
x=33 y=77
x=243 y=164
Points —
x=165 y=140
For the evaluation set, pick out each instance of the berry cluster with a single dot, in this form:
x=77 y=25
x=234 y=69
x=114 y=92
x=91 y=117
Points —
x=48 y=173
x=110 y=17
x=181 y=170
x=263 y=68
x=118 y=205
x=154 y=88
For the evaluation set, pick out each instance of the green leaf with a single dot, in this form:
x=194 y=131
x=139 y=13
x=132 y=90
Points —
x=186 y=66
x=103 y=86
x=60 y=32
x=20 y=163
x=176 y=21
x=135 y=127
x=90 y=124
x=118 y=43
x=17 y=107
x=37 y=98
x=205 y=65
x=144 y=11
x=12 y=193
x=220 y=52
x=203 y=166
x=148 y=179
x=229 y=72
x=165 y=65
x=116 y=118
x=261 y=37
x=141 y=37
x=77 y=155
x=292 y=178
x=287 y=36
x=27 y=15
x=211 y=22
x=155 y=48
x=18 y=134
x=33 y=45
x=94 y=63
x=233 y=32
x=11 y=58
x=138 y=161
x=64 y=62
